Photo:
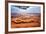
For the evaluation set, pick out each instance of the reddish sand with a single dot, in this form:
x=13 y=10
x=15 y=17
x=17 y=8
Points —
x=25 y=21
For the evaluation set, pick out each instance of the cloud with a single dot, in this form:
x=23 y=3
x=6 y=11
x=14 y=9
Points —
x=31 y=9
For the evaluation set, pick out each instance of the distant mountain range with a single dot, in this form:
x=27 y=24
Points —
x=28 y=14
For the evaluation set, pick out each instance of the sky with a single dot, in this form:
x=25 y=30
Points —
x=25 y=9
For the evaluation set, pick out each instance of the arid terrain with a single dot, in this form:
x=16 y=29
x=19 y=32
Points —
x=25 y=21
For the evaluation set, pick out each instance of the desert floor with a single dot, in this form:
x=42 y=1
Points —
x=25 y=21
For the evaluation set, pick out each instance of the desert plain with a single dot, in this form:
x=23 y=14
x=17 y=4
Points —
x=25 y=20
